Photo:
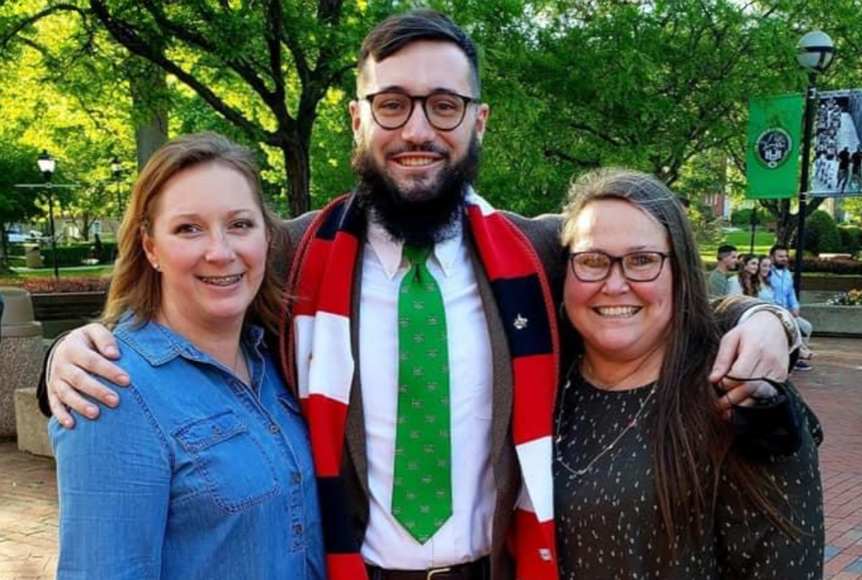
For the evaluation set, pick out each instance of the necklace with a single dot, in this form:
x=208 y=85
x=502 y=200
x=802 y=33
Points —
x=607 y=448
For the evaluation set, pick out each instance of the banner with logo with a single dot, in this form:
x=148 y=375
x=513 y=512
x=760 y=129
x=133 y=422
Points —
x=837 y=169
x=774 y=138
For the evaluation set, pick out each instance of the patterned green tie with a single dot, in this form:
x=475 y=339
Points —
x=422 y=490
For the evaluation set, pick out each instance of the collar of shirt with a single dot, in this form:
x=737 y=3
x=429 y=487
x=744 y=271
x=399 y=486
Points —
x=159 y=344
x=389 y=251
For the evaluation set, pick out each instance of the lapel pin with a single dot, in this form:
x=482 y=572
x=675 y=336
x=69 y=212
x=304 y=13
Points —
x=520 y=322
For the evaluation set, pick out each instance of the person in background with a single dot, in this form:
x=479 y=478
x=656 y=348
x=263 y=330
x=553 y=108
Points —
x=648 y=481
x=764 y=269
x=717 y=279
x=784 y=294
x=747 y=281
x=204 y=469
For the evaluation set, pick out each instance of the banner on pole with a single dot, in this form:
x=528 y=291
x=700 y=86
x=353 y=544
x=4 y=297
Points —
x=774 y=139
x=837 y=168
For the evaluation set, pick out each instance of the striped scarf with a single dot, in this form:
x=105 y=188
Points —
x=318 y=360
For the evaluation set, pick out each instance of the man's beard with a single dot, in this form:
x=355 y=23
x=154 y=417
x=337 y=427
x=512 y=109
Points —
x=432 y=212
x=779 y=265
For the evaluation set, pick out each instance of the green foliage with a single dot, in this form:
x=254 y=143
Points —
x=741 y=218
x=821 y=234
x=851 y=239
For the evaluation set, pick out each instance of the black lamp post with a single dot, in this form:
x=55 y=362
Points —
x=116 y=168
x=47 y=165
x=813 y=53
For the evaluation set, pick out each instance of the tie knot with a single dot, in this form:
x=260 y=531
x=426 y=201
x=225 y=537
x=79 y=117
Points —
x=417 y=254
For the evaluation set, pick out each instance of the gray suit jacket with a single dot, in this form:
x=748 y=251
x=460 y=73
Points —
x=543 y=233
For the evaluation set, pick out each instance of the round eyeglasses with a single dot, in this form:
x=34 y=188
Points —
x=445 y=111
x=636 y=266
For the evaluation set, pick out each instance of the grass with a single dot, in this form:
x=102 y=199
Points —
x=763 y=240
x=78 y=272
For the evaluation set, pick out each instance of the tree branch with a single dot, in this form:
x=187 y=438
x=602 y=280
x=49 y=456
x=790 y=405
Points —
x=37 y=17
x=128 y=37
x=186 y=35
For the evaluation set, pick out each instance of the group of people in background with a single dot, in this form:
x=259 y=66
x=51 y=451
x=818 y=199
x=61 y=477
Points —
x=766 y=278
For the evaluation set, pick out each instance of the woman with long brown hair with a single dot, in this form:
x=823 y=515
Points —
x=204 y=468
x=747 y=282
x=648 y=481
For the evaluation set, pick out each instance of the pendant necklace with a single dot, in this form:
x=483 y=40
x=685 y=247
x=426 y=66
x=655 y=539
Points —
x=607 y=448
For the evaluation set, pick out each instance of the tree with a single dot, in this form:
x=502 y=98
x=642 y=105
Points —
x=16 y=204
x=283 y=55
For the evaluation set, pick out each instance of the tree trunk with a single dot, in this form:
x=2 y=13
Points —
x=785 y=232
x=297 y=169
x=150 y=107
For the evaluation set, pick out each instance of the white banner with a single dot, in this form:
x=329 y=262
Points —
x=837 y=167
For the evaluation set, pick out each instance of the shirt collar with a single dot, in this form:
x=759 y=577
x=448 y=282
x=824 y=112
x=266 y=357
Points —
x=389 y=251
x=159 y=344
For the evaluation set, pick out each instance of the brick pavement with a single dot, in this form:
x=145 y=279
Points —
x=28 y=491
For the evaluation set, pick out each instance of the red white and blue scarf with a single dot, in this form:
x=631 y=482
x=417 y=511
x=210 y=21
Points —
x=318 y=361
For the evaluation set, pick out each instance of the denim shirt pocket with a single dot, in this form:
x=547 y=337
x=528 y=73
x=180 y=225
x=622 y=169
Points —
x=230 y=461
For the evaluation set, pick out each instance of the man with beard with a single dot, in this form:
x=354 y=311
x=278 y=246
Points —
x=421 y=336
x=781 y=280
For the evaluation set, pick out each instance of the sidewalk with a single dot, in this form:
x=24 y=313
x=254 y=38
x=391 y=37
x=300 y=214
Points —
x=28 y=491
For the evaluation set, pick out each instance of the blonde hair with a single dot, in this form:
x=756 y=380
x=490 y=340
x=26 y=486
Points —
x=135 y=285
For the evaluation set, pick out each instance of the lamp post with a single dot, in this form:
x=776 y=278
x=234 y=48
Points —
x=47 y=165
x=813 y=53
x=116 y=168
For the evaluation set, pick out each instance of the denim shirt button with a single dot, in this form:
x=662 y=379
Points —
x=296 y=477
x=297 y=529
x=274 y=429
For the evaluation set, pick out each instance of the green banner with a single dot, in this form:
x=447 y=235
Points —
x=774 y=140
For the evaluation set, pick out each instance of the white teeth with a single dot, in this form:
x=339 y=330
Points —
x=221 y=280
x=617 y=311
x=415 y=161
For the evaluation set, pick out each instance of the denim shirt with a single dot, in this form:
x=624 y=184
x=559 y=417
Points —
x=193 y=475
x=782 y=288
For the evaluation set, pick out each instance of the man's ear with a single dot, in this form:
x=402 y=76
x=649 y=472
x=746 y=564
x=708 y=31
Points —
x=483 y=111
x=355 y=118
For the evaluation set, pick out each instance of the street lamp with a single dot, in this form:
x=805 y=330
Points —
x=813 y=53
x=47 y=165
x=116 y=168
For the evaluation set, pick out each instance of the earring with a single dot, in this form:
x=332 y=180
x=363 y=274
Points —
x=156 y=267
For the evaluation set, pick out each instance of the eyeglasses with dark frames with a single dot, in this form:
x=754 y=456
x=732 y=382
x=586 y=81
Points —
x=444 y=110
x=595 y=266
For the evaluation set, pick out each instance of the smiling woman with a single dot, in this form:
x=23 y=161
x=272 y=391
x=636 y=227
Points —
x=206 y=457
x=657 y=488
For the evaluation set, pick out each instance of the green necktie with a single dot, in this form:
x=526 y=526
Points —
x=422 y=489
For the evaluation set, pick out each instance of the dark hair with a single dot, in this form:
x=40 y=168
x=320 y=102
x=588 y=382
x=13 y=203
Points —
x=775 y=248
x=724 y=250
x=135 y=286
x=750 y=282
x=689 y=433
x=399 y=30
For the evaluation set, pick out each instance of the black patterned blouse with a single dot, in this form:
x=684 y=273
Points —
x=608 y=523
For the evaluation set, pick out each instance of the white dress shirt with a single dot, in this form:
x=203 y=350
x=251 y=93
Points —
x=466 y=536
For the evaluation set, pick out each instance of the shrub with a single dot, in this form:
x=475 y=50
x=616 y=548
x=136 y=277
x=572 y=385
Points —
x=741 y=218
x=845 y=267
x=73 y=284
x=66 y=255
x=851 y=239
x=821 y=233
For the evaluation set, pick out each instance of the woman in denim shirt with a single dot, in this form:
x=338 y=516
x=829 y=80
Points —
x=204 y=469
